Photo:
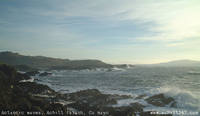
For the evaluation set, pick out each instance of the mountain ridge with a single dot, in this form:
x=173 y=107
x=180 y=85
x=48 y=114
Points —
x=179 y=63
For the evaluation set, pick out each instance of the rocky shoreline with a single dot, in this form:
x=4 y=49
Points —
x=31 y=98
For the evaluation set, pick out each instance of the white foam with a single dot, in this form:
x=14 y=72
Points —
x=22 y=72
x=28 y=80
x=184 y=98
x=118 y=69
x=194 y=72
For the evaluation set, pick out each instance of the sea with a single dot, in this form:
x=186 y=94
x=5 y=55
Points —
x=181 y=83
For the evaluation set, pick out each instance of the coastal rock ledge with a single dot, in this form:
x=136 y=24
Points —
x=30 y=98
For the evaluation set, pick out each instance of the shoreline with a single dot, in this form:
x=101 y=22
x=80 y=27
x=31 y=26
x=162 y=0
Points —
x=36 y=97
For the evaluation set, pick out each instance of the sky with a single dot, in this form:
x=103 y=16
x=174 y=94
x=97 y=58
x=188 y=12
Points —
x=114 y=31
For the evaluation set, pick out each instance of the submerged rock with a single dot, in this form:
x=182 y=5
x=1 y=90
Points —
x=45 y=74
x=160 y=100
x=141 y=96
x=32 y=73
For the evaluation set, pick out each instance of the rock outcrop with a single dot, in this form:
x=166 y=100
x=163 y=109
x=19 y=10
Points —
x=161 y=100
x=30 y=96
x=16 y=96
x=32 y=73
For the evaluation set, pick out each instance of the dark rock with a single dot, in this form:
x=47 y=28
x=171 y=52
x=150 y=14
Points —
x=141 y=96
x=32 y=73
x=34 y=88
x=45 y=74
x=92 y=97
x=20 y=77
x=137 y=107
x=7 y=70
x=123 y=111
x=94 y=100
x=16 y=96
x=119 y=97
x=11 y=75
x=160 y=100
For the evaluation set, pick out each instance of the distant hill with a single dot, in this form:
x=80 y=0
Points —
x=41 y=62
x=82 y=64
x=32 y=61
x=180 y=63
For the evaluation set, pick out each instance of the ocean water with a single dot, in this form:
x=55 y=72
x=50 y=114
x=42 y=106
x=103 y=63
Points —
x=183 y=84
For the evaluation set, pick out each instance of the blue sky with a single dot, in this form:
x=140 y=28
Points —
x=115 y=31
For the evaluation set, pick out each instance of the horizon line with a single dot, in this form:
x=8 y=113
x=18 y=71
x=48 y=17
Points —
x=160 y=62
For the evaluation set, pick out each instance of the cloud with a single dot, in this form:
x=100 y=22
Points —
x=146 y=27
x=175 y=44
x=173 y=20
